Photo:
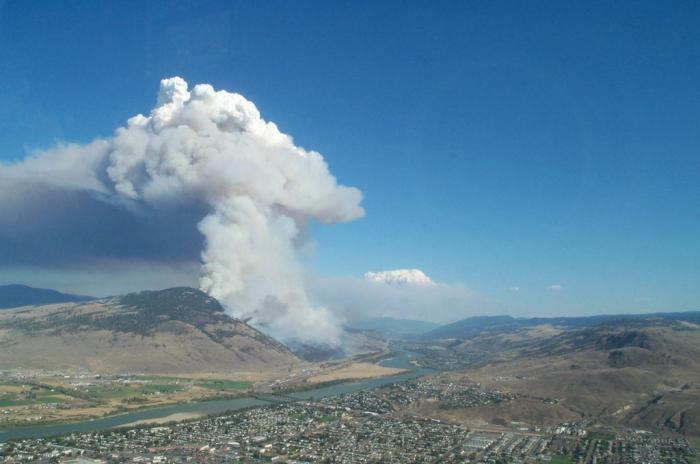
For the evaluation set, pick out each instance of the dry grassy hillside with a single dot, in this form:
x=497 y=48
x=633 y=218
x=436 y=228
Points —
x=644 y=374
x=179 y=330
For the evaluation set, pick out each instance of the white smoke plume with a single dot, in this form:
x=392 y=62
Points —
x=207 y=157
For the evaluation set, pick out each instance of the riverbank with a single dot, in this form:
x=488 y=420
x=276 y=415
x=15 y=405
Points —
x=52 y=399
x=400 y=361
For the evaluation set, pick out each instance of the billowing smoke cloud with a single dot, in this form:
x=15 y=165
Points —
x=401 y=293
x=202 y=162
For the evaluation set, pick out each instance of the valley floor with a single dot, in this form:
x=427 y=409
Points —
x=32 y=398
x=354 y=370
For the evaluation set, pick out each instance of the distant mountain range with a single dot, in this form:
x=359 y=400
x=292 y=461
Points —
x=473 y=326
x=390 y=326
x=173 y=331
x=14 y=296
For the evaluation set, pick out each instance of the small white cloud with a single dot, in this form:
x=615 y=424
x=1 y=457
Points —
x=400 y=277
x=395 y=293
x=514 y=289
x=554 y=287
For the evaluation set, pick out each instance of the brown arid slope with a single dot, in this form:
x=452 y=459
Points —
x=644 y=374
x=174 y=331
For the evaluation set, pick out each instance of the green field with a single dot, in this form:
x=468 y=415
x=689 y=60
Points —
x=6 y=402
x=695 y=442
x=560 y=459
x=213 y=384
x=162 y=388
x=603 y=436
x=159 y=378
x=26 y=395
x=124 y=391
x=23 y=395
x=228 y=385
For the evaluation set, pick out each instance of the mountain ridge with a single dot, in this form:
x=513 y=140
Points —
x=178 y=330
x=472 y=326
x=18 y=295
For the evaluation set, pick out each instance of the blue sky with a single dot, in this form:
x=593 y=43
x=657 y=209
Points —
x=499 y=145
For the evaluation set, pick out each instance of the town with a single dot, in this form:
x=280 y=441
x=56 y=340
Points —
x=360 y=427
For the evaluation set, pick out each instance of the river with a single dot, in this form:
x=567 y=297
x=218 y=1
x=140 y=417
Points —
x=401 y=360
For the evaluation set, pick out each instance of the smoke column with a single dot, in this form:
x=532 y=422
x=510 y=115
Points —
x=210 y=151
